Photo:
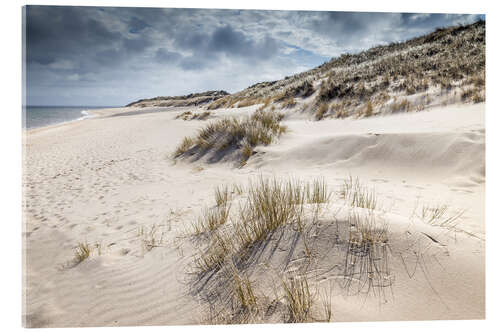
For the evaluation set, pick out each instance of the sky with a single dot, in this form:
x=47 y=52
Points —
x=110 y=56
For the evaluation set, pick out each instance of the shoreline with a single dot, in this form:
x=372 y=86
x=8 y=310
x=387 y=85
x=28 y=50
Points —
x=92 y=114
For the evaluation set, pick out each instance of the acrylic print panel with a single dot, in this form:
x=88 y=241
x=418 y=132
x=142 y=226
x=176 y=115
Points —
x=197 y=166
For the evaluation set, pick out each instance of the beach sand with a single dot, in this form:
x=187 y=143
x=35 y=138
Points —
x=110 y=181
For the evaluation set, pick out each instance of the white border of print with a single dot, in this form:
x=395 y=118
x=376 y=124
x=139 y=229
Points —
x=11 y=159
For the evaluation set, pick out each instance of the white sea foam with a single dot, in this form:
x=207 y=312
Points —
x=85 y=115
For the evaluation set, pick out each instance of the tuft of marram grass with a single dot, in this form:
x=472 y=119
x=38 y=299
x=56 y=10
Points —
x=321 y=111
x=262 y=127
x=289 y=102
x=268 y=205
x=82 y=252
x=369 y=109
x=403 y=105
x=318 y=193
x=184 y=115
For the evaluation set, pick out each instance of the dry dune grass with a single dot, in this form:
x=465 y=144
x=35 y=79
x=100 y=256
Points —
x=82 y=252
x=222 y=195
x=271 y=208
x=358 y=195
x=188 y=115
x=299 y=299
x=321 y=111
x=238 y=101
x=232 y=134
x=151 y=237
x=269 y=205
x=449 y=59
x=212 y=218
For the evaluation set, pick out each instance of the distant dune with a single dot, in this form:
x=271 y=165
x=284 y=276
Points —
x=195 y=99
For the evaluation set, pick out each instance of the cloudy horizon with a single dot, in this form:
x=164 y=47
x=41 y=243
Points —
x=115 y=55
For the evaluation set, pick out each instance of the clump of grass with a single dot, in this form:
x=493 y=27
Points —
x=280 y=96
x=82 y=252
x=403 y=105
x=321 y=111
x=289 y=102
x=299 y=299
x=472 y=94
x=218 y=103
x=478 y=97
x=188 y=115
x=243 y=291
x=477 y=80
x=339 y=110
x=242 y=134
x=357 y=195
x=319 y=192
x=185 y=115
x=269 y=205
x=369 y=109
x=249 y=101
x=202 y=116
x=246 y=151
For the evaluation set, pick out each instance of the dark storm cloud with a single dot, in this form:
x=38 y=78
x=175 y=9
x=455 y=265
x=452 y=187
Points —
x=119 y=54
x=63 y=32
x=227 y=41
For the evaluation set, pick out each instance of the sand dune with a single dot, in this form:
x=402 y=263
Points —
x=111 y=182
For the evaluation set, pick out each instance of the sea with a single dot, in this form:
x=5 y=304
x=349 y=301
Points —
x=39 y=116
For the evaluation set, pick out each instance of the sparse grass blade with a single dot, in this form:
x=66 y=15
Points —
x=357 y=195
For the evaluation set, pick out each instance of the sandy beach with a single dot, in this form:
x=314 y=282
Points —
x=111 y=182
